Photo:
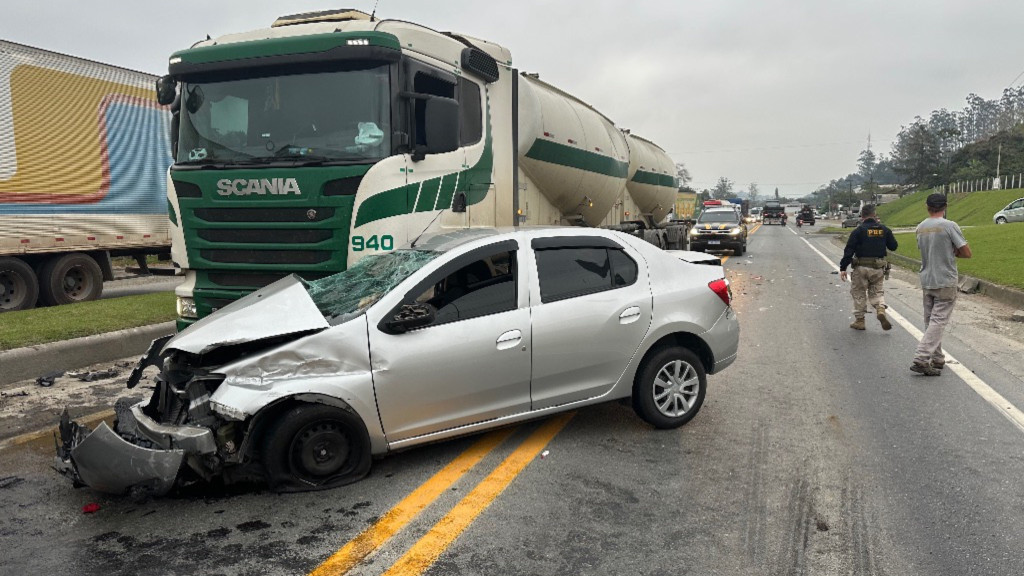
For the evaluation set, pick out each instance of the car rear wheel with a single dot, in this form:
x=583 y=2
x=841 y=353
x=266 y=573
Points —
x=315 y=447
x=1000 y=220
x=669 y=389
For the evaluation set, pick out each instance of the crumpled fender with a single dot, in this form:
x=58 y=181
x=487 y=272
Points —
x=108 y=463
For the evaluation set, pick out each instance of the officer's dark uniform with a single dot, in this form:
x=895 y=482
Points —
x=866 y=250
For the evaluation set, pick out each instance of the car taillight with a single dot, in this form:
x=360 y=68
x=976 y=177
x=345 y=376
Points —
x=721 y=287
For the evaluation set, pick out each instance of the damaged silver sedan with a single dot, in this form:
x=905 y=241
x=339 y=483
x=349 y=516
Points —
x=301 y=383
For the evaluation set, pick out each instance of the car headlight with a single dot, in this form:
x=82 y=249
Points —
x=187 y=308
x=694 y=232
x=735 y=231
x=227 y=411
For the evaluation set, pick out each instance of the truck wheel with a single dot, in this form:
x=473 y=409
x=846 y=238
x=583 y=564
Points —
x=70 y=278
x=315 y=447
x=669 y=389
x=19 y=287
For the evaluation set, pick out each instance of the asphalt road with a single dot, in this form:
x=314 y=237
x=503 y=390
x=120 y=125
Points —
x=817 y=452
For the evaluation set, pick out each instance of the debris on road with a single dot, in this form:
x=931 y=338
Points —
x=90 y=508
x=13 y=394
x=92 y=376
x=544 y=454
x=46 y=380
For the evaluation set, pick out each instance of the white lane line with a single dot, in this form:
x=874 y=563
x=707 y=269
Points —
x=1002 y=405
x=793 y=231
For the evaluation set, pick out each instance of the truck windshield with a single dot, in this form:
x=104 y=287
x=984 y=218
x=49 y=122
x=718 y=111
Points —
x=334 y=116
x=349 y=293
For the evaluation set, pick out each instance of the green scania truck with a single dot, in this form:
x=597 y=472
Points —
x=333 y=135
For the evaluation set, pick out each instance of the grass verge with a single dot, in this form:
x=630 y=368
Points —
x=41 y=325
x=994 y=258
x=973 y=209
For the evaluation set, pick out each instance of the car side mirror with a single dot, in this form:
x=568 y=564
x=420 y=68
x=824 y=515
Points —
x=166 y=90
x=442 y=125
x=410 y=317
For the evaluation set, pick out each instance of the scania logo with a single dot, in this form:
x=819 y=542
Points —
x=279 y=186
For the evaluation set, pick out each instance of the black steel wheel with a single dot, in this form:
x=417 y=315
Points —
x=70 y=278
x=19 y=287
x=315 y=447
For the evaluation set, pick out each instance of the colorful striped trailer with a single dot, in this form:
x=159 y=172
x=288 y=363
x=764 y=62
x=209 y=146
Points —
x=84 y=153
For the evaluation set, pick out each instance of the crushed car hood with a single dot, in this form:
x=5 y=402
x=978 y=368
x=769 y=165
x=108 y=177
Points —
x=279 y=309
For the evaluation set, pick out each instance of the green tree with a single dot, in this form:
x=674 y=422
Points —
x=723 y=189
x=916 y=154
x=683 y=177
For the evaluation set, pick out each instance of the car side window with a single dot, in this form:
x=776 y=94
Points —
x=1017 y=204
x=482 y=285
x=572 y=272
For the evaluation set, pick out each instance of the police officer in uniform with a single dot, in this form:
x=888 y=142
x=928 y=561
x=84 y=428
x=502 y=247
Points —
x=865 y=252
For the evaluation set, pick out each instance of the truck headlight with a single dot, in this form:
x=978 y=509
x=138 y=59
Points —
x=694 y=232
x=735 y=231
x=187 y=308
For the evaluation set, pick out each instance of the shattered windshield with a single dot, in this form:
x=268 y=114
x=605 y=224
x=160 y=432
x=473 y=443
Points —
x=334 y=116
x=349 y=293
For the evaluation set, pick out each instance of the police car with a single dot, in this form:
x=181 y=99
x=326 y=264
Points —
x=719 y=229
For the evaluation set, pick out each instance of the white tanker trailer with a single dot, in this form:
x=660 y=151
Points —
x=332 y=135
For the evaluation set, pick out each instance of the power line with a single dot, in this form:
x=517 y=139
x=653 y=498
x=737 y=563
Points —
x=766 y=148
x=1014 y=81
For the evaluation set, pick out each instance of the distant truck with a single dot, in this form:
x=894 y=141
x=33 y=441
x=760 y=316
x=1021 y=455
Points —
x=84 y=153
x=773 y=213
x=806 y=215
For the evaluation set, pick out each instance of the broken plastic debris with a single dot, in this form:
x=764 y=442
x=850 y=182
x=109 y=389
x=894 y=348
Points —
x=90 y=508
x=88 y=376
x=46 y=380
x=544 y=454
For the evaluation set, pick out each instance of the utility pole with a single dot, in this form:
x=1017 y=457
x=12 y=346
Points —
x=999 y=159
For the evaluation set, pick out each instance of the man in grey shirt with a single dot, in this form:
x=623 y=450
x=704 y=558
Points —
x=941 y=242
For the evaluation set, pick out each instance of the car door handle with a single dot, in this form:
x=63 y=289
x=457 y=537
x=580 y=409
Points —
x=629 y=315
x=509 y=339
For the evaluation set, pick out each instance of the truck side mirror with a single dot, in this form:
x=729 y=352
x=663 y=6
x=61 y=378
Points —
x=166 y=90
x=410 y=317
x=442 y=125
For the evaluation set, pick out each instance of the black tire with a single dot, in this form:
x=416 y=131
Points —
x=70 y=278
x=19 y=287
x=651 y=381
x=315 y=447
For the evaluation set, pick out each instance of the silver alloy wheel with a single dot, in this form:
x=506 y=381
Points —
x=1000 y=220
x=675 y=388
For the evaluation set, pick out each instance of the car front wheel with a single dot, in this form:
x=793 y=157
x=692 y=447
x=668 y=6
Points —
x=1000 y=220
x=670 y=387
x=315 y=447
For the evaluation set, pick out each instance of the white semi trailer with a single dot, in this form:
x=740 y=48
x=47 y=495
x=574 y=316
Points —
x=84 y=152
x=332 y=135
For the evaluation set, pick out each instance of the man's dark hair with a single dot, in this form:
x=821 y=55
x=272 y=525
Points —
x=867 y=211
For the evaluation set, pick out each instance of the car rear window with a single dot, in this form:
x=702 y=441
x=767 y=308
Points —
x=572 y=272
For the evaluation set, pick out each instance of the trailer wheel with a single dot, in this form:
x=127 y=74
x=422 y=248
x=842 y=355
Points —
x=315 y=447
x=19 y=287
x=70 y=278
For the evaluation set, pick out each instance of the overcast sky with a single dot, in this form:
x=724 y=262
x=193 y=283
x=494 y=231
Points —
x=782 y=92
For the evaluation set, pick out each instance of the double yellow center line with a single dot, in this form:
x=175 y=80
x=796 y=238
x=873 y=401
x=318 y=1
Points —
x=425 y=551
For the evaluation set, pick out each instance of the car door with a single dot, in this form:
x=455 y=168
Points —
x=472 y=363
x=1015 y=211
x=591 y=308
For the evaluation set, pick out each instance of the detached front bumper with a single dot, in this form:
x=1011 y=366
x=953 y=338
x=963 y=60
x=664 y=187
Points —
x=138 y=457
